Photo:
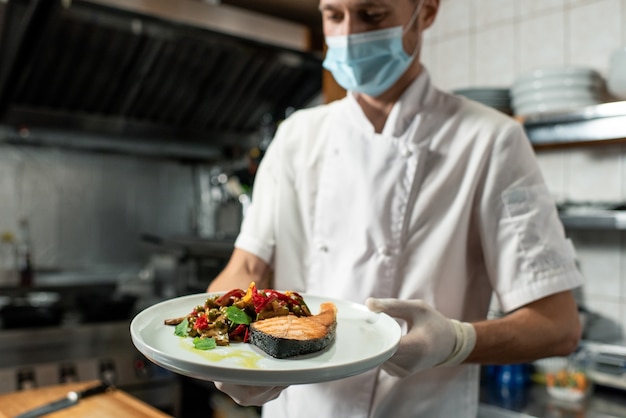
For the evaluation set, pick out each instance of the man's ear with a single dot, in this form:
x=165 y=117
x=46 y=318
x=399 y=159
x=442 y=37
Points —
x=429 y=12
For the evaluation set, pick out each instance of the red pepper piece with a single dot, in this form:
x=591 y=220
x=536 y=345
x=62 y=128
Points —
x=257 y=297
x=258 y=307
x=279 y=296
x=201 y=322
x=226 y=298
x=240 y=329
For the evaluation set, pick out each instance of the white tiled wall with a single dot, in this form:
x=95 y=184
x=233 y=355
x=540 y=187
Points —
x=489 y=43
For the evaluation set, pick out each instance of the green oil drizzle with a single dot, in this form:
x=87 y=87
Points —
x=242 y=358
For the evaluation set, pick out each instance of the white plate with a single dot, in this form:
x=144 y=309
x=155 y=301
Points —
x=554 y=106
x=539 y=97
x=561 y=83
x=363 y=341
x=558 y=72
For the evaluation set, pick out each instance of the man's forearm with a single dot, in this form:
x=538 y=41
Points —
x=242 y=268
x=545 y=328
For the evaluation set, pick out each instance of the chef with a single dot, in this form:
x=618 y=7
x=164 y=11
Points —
x=418 y=203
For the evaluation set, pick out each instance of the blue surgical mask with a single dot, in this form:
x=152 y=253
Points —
x=369 y=62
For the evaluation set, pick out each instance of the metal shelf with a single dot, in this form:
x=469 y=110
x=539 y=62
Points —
x=592 y=124
x=594 y=219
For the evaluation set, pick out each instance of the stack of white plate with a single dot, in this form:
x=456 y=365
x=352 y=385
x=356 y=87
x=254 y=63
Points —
x=557 y=90
x=498 y=98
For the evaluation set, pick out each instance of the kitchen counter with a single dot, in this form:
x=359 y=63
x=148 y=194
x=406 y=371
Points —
x=114 y=403
x=534 y=401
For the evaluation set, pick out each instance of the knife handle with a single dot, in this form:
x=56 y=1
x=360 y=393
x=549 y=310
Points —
x=102 y=387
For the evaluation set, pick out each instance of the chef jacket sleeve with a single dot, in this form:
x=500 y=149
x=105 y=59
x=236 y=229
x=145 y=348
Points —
x=526 y=251
x=257 y=233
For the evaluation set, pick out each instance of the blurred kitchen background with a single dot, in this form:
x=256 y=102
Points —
x=130 y=133
x=492 y=43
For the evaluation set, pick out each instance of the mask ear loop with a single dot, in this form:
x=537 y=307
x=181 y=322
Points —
x=416 y=13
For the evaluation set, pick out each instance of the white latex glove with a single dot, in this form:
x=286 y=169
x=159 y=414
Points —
x=431 y=339
x=250 y=395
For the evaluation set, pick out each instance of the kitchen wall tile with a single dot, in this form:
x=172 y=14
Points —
x=622 y=248
x=594 y=174
x=622 y=171
x=553 y=167
x=428 y=54
x=495 y=63
x=623 y=24
x=489 y=12
x=593 y=33
x=529 y=8
x=601 y=255
x=606 y=324
x=454 y=16
x=542 y=42
x=575 y=3
x=453 y=62
x=599 y=258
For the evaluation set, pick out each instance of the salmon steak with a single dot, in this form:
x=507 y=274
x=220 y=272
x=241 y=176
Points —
x=290 y=335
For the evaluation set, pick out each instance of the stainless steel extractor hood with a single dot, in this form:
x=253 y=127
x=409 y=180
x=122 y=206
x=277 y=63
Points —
x=160 y=71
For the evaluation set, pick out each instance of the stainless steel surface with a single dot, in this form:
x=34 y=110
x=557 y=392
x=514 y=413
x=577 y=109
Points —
x=594 y=219
x=149 y=72
x=491 y=411
x=87 y=211
x=590 y=112
x=593 y=215
x=191 y=246
x=303 y=11
x=593 y=123
x=607 y=364
x=220 y=18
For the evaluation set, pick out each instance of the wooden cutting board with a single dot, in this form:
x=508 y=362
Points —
x=113 y=404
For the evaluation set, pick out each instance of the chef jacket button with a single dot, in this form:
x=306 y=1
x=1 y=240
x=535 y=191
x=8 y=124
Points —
x=406 y=152
x=322 y=247
x=383 y=251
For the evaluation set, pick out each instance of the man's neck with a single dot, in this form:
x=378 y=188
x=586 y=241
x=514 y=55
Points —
x=377 y=109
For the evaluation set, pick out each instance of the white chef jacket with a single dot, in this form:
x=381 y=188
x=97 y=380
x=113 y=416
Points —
x=447 y=205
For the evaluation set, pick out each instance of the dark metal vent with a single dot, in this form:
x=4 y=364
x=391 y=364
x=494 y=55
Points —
x=109 y=71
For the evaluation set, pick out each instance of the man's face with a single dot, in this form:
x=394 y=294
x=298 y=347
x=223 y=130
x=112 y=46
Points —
x=344 y=17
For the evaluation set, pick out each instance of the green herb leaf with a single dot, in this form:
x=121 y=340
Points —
x=237 y=316
x=204 y=343
x=181 y=329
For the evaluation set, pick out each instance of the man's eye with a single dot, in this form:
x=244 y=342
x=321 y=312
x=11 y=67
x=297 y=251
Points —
x=372 y=16
x=333 y=16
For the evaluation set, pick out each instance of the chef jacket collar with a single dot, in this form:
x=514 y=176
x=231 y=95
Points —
x=412 y=102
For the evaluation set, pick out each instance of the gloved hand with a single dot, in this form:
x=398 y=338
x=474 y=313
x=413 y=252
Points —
x=250 y=395
x=431 y=339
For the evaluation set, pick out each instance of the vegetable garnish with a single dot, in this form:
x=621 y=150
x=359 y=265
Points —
x=181 y=329
x=224 y=319
x=237 y=316
x=204 y=343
